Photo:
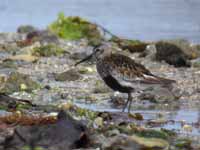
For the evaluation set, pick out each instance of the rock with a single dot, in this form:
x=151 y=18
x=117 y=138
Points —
x=9 y=64
x=153 y=133
x=9 y=47
x=26 y=29
x=135 y=143
x=196 y=48
x=160 y=95
x=44 y=37
x=131 y=45
x=187 y=128
x=136 y=116
x=149 y=52
x=10 y=37
x=153 y=143
x=48 y=50
x=15 y=81
x=186 y=47
x=65 y=134
x=47 y=37
x=113 y=132
x=70 y=75
x=172 y=54
x=98 y=122
x=23 y=57
x=120 y=142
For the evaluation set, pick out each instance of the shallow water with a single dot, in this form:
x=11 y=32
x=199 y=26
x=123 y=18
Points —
x=174 y=120
x=145 y=20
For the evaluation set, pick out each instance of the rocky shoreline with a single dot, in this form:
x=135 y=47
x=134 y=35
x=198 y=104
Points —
x=38 y=66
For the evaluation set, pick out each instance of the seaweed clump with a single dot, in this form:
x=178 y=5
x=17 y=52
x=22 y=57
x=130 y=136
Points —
x=75 y=28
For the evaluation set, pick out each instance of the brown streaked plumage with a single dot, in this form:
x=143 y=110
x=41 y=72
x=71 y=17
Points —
x=123 y=74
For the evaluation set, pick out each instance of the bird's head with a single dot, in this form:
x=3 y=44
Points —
x=98 y=53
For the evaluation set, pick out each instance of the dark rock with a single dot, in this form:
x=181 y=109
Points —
x=171 y=54
x=25 y=29
x=190 y=50
x=65 y=134
x=70 y=75
x=48 y=87
x=43 y=36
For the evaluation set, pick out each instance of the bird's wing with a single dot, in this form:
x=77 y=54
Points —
x=125 y=69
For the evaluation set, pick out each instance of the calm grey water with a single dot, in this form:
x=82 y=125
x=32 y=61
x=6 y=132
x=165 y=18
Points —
x=141 y=19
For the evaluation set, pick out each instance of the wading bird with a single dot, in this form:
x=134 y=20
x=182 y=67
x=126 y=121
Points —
x=123 y=74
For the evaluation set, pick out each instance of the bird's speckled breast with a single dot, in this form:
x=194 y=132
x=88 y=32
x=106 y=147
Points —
x=103 y=68
x=104 y=71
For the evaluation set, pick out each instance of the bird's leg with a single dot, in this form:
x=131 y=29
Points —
x=130 y=101
x=126 y=104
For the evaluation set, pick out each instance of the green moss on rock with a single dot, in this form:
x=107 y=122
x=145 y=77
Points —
x=153 y=134
x=48 y=50
x=75 y=28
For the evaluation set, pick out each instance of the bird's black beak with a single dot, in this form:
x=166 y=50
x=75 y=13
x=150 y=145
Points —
x=88 y=57
x=84 y=59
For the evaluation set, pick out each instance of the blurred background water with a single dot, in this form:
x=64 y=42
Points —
x=138 y=19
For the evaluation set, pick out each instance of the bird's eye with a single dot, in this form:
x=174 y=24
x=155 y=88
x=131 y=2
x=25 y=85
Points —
x=97 y=50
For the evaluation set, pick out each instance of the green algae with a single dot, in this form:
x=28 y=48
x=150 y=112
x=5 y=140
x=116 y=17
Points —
x=75 y=28
x=153 y=134
x=2 y=107
x=23 y=107
x=91 y=115
x=30 y=148
x=15 y=82
x=48 y=50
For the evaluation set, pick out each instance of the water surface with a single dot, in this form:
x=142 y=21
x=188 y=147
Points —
x=145 y=20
